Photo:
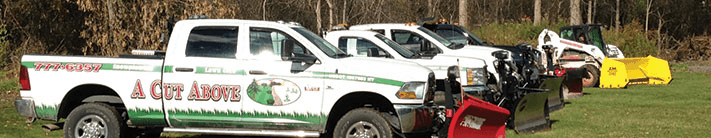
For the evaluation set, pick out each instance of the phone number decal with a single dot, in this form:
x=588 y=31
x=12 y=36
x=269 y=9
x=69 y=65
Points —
x=70 y=67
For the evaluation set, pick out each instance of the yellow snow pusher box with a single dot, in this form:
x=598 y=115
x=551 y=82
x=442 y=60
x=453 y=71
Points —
x=618 y=73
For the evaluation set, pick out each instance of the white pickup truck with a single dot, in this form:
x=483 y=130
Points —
x=473 y=73
x=421 y=40
x=234 y=77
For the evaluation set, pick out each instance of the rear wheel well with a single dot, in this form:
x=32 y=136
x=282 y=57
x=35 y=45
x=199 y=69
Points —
x=75 y=97
x=361 y=99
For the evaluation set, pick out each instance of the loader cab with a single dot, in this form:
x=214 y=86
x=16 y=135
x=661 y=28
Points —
x=588 y=34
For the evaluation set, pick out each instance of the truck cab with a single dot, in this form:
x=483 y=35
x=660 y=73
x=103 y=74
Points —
x=473 y=74
x=421 y=40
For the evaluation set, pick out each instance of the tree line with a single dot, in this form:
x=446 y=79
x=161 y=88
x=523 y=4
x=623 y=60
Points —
x=113 y=27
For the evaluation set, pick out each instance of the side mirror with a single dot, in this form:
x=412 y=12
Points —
x=287 y=49
x=501 y=54
x=287 y=53
x=425 y=46
x=373 y=52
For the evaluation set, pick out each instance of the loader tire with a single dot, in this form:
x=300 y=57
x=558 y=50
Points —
x=94 y=120
x=594 y=74
x=363 y=122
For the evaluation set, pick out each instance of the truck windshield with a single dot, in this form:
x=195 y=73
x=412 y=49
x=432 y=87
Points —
x=472 y=36
x=439 y=39
x=323 y=45
x=400 y=50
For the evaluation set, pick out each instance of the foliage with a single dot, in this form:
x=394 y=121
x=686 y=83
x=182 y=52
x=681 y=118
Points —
x=11 y=84
x=632 y=40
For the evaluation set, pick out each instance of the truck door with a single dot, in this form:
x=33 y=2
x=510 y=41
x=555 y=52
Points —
x=203 y=83
x=281 y=93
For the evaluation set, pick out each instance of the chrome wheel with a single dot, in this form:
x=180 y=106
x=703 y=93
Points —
x=90 y=126
x=363 y=129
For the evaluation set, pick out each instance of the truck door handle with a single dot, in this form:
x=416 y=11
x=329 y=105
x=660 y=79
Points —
x=257 y=72
x=183 y=69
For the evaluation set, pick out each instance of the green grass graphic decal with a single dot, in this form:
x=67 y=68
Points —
x=146 y=117
x=240 y=118
x=47 y=111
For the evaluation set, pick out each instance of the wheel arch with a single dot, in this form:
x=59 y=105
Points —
x=359 y=99
x=87 y=93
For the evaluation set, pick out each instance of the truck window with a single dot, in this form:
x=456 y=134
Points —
x=407 y=39
x=359 y=45
x=212 y=41
x=453 y=36
x=266 y=43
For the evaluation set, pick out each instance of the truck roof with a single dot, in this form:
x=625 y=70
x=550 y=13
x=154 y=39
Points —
x=238 y=21
x=384 y=25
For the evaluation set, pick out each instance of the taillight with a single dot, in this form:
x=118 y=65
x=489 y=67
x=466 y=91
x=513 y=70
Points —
x=24 y=78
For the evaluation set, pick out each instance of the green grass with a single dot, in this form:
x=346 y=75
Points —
x=12 y=125
x=680 y=109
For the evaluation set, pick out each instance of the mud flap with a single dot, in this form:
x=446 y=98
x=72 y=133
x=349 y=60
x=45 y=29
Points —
x=618 y=73
x=478 y=118
x=555 y=99
x=530 y=114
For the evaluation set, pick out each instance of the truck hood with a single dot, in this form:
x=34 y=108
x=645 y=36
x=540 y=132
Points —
x=399 y=70
x=440 y=63
x=480 y=52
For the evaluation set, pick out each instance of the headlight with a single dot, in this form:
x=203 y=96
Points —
x=476 y=76
x=411 y=90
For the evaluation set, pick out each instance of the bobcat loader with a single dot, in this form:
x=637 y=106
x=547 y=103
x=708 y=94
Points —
x=582 y=46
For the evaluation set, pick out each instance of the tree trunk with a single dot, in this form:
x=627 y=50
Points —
x=575 y=16
x=264 y=10
x=330 y=14
x=318 y=16
x=430 y=9
x=646 y=18
x=617 y=16
x=344 y=12
x=463 y=14
x=537 y=12
x=590 y=11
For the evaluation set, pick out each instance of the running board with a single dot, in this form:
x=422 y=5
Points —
x=245 y=132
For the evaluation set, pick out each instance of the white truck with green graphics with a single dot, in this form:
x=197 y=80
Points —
x=233 y=77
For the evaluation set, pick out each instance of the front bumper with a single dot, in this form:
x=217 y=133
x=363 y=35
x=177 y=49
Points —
x=26 y=107
x=415 y=118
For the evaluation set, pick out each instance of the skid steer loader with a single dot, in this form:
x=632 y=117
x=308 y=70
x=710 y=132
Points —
x=582 y=46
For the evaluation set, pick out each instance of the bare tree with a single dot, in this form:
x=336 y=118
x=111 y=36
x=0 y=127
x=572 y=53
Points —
x=463 y=17
x=537 y=12
x=617 y=16
x=591 y=10
x=646 y=18
x=264 y=10
x=575 y=16
x=318 y=16
x=330 y=14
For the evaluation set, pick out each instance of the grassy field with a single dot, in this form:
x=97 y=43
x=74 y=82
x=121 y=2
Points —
x=680 y=109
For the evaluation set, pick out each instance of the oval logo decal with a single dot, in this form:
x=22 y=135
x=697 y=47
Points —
x=273 y=92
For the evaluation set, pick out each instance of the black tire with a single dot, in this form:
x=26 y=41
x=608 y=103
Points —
x=98 y=119
x=368 y=121
x=594 y=78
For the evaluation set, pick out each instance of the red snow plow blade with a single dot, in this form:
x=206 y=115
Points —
x=478 y=119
